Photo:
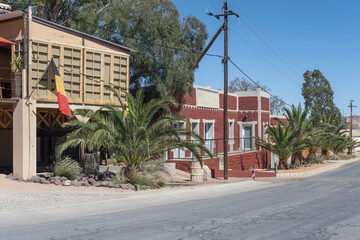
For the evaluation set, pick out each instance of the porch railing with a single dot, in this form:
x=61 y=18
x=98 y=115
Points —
x=216 y=147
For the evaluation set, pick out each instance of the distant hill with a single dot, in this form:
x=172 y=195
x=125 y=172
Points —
x=356 y=122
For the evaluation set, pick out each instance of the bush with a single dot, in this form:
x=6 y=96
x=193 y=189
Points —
x=318 y=160
x=154 y=180
x=152 y=174
x=346 y=157
x=333 y=157
x=111 y=162
x=67 y=168
x=292 y=166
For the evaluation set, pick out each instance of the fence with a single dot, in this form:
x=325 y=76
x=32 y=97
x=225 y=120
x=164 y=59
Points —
x=216 y=147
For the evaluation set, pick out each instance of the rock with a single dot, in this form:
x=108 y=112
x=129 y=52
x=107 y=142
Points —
x=66 y=183
x=137 y=187
x=20 y=180
x=35 y=179
x=44 y=181
x=14 y=177
x=111 y=184
x=57 y=178
x=9 y=176
x=104 y=184
x=124 y=186
x=85 y=184
x=53 y=179
x=76 y=183
x=95 y=184
x=130 y=186
x=117 y=185
x=91 y=180
x=84 y=178
x=28 y=180
x=63 y=178
x=57 y=182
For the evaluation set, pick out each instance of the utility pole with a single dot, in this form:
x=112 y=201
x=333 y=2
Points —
x=224 y=27
x=225 y=14
x=351 y=108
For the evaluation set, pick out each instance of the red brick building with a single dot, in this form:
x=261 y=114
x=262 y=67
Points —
x=248 y=116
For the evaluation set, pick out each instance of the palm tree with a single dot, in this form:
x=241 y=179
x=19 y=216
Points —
x=300 y=124
x=283 y=141
x=136 y=133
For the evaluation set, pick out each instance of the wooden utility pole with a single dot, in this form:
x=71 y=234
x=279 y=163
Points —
x=351 y=108
x=224 y=28
x=225 y=14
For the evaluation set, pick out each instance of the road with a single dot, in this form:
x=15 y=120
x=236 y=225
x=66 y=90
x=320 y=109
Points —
x=322 y=207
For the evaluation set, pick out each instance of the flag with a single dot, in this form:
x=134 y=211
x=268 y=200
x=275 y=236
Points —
x=64 y=107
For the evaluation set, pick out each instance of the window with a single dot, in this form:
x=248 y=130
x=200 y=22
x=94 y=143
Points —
x=93 y=76
x=247 y=140
x=209 y=135
x=72 y=71
x=39 y=64
x=231 y=135
x=179 y=152
x=120 y=75
x=107 y=77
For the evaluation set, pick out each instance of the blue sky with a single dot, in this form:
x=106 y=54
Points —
x=320 y=34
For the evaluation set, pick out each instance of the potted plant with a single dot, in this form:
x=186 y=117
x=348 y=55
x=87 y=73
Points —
x=16 y=77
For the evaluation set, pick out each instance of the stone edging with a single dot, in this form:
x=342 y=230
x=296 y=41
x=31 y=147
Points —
x=319 y=170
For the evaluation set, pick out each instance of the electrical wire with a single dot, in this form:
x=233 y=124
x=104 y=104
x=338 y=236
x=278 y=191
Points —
x=247 y=76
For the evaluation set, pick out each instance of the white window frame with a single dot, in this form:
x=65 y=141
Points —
x=205 y=121
x=179 y=154
x=231 y=135
x=241 y=126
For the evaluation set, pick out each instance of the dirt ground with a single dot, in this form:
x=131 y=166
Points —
x=305 y=169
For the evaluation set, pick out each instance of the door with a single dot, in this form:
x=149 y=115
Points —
x=179 y=152
x=247 y=133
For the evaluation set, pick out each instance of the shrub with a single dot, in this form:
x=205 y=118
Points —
x=67 y=168
x=111 y=162
x=292 y=166
x=346 y=157
x=333 y=157
x=154 y=180
x=318 y=160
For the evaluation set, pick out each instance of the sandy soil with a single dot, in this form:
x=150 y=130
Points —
x=305 y=169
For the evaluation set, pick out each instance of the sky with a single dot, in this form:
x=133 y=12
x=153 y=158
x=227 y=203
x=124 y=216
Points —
x=302 y=35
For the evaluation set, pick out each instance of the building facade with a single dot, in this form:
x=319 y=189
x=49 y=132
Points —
x=30 y=123
x=248 y=116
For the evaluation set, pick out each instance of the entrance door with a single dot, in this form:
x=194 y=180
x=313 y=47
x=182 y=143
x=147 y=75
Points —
x=247 y=133
x=209 y=136
x=179 y=152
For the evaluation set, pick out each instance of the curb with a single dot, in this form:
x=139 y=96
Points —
x=320 y=170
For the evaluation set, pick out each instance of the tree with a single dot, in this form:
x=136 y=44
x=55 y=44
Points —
x=276 y=103
x=53 y=10
x=166 y=46
x=301 y=126
x=283 y=141
x=135 y=133
x=318 y=97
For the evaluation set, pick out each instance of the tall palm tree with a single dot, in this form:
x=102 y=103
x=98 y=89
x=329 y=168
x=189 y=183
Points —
x=300 y=124
x=136 y=133
x=283 y=142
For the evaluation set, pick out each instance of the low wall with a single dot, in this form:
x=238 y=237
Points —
x=239 y=165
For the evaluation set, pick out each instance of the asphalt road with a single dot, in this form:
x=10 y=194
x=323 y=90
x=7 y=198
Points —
x=322 y=207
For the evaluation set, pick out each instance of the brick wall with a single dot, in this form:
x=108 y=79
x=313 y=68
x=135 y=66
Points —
x=265 y=104
x=248 y=103
x=231 y=102
x=240 y=164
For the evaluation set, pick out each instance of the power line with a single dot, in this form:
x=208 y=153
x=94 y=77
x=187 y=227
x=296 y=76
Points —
x=247 y=76
x=266 y=59
x=262 y=33
x=149 y=41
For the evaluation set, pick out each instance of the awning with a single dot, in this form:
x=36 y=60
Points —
x=4 y=42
